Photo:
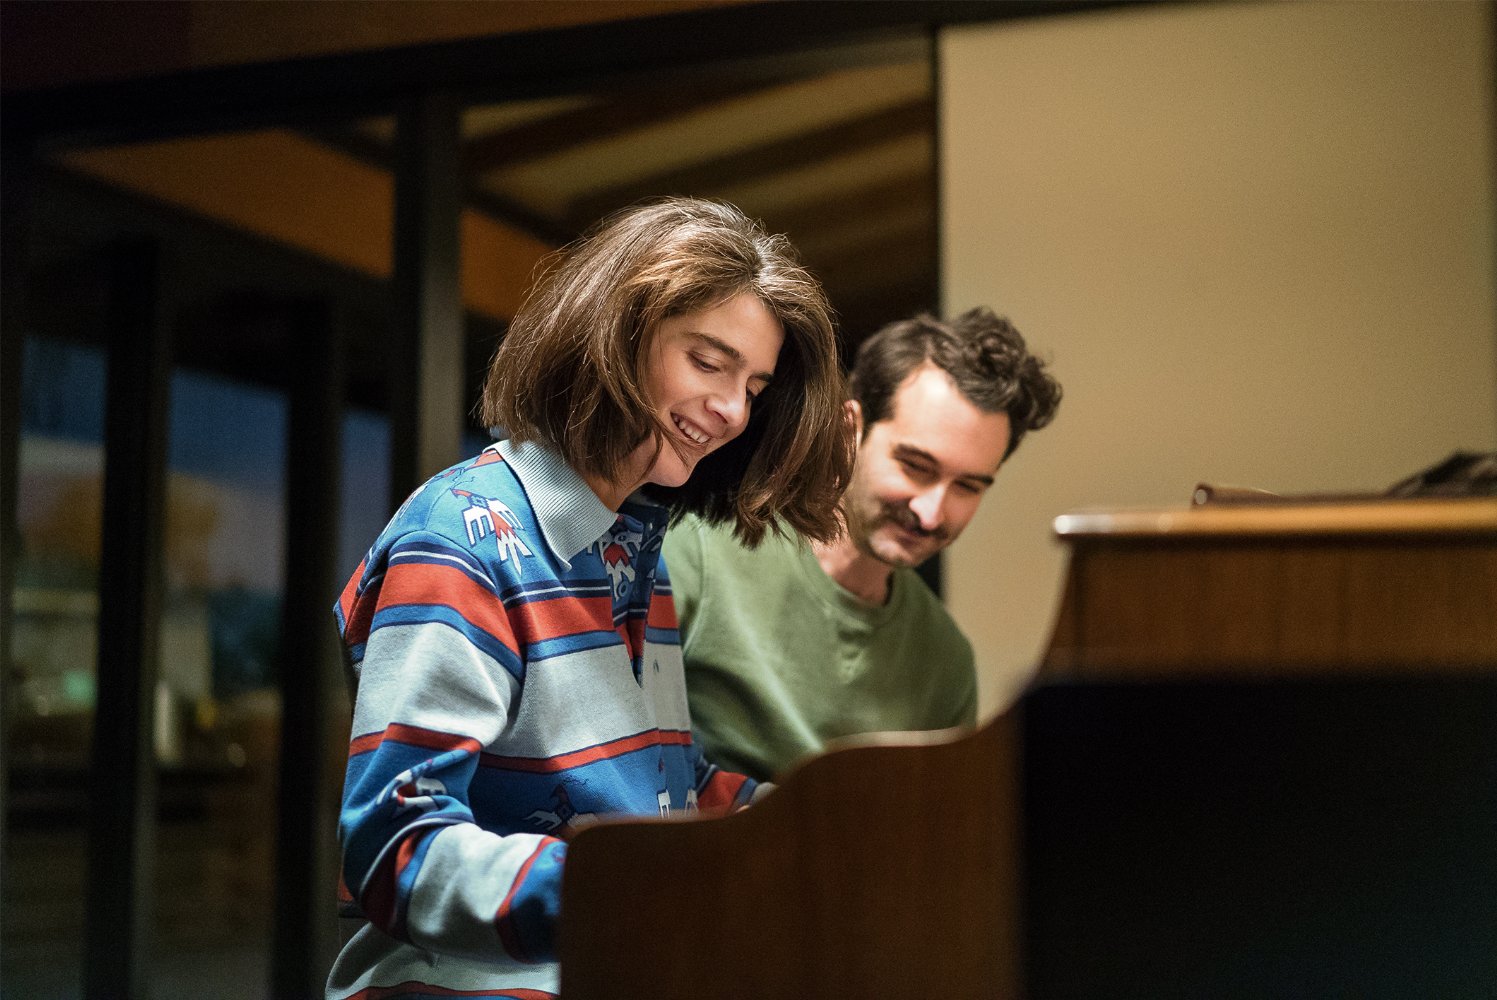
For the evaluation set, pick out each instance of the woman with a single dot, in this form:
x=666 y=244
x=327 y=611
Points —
x=511 y=631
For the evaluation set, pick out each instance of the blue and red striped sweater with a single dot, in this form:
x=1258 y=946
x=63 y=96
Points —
x=518 y=675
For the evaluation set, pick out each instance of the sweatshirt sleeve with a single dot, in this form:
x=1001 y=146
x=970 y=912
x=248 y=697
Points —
x=438 y=669
x=966 y=702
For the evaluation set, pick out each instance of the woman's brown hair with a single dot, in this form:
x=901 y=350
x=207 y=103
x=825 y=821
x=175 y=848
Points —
x=569 y=372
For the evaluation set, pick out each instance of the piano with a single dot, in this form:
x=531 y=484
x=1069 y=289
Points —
x=1259 y=760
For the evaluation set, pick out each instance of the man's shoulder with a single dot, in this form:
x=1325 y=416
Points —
x=717 y=541
x=702 y=557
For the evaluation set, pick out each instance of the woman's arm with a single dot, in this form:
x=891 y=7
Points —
x=439 y=668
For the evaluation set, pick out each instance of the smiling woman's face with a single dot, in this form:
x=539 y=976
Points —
x=703 y=370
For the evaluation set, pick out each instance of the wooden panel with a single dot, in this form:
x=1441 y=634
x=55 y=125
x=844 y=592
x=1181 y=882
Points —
x=1403 y=586
x=1184 y=838
x=873 y=871
x=1106 y=836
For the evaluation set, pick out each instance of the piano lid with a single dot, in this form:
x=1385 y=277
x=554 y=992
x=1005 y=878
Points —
x=1338 y=517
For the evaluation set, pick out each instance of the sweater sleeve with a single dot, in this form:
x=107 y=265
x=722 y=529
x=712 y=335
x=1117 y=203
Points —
x=438 y=671
x=720 y=791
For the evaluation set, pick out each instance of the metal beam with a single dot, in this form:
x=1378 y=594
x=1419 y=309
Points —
x=314 y=732
x=427 y=382
x=16 y=175
x=121 y=857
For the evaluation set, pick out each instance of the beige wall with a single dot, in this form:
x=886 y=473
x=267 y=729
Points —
x=1256 y=242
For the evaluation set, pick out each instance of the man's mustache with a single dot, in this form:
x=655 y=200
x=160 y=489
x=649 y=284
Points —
x=909 y=521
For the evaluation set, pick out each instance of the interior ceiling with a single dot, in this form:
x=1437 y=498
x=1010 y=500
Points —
x=840 y=157
x=841 y=161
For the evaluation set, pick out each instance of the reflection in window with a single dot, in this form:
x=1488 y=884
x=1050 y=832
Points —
x=217 y=707
x=53 y=644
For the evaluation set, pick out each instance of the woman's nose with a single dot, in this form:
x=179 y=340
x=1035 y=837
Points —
x=731 y=409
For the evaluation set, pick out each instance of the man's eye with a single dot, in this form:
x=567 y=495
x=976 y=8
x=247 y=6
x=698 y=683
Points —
x=914 y=469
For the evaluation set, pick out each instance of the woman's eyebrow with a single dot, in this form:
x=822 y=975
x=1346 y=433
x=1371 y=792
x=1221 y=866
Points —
x=718 y=344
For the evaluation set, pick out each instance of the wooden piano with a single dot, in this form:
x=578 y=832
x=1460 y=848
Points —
x=1260 y=760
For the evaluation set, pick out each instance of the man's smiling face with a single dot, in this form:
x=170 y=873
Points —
x=921 y=473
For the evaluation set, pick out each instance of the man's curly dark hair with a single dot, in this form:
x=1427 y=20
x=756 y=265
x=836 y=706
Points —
x=984 y=355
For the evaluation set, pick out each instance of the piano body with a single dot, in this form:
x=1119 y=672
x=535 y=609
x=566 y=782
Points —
x=1260 y=761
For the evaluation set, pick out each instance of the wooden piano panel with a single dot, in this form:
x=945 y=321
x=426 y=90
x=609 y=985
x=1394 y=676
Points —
x=1284 y=590
x=906 y=866
x=872 y=871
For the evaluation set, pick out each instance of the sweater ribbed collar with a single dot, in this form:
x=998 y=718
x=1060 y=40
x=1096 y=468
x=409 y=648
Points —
x=570 y=515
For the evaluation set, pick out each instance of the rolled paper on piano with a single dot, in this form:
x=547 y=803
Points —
x=1214 y=493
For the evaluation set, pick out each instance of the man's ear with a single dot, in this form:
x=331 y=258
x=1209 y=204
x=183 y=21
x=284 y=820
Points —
x=853 y=411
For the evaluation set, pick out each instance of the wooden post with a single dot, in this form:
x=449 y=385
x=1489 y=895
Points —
x=123 y=780
x=15 y=215
x=312 y=729
x=427 y=385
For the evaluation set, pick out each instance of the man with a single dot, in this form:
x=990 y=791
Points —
x=789 y=645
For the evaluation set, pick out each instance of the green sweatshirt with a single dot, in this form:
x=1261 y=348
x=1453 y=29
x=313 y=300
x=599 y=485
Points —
x=780 y=659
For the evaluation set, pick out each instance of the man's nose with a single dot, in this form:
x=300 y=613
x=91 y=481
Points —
x=928 y=505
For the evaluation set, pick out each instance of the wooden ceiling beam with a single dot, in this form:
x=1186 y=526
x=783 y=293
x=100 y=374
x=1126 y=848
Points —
x=622 y=111
x=804 y=219
x=763 y=40
x=895 y=256
x=742 y=166
x=367 y=148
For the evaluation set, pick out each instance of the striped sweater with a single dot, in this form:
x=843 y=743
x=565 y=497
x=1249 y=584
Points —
x=518 y=675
